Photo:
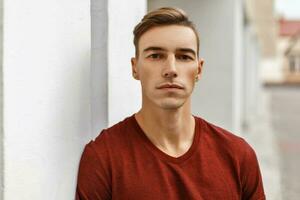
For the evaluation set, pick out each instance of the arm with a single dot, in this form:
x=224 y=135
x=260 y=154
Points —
x=93 y=180
x=252 y=186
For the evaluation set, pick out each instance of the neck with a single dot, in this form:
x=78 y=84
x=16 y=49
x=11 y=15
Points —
x=172 y=131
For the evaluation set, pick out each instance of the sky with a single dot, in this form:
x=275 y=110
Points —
x=290 y=9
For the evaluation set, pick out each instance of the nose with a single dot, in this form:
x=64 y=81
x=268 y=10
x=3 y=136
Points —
x=170 y=70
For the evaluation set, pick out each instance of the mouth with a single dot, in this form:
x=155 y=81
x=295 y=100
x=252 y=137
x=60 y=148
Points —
x=169 y=86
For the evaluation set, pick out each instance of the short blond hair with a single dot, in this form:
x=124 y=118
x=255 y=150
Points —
x=162 y=17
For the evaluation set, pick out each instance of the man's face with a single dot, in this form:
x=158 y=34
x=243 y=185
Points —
x=167 y=66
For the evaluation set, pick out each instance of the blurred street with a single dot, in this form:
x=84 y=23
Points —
x=274 y=134
x=285 y=112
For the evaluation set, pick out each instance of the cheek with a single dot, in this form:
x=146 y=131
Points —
x=191 y=73
x=146 y=77
x=195 y=70
x=148 y=74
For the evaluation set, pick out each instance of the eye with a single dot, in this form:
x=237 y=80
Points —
x=155 y=56
x=184 y=57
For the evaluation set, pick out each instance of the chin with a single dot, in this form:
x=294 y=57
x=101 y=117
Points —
x=171 y=105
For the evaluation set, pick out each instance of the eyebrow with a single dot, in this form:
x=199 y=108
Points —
x=153 y=48
x=188 y=50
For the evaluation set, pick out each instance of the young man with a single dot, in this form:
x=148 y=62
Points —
x=163 y=151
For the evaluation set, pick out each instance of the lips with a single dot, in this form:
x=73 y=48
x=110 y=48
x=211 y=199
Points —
x=169 y=85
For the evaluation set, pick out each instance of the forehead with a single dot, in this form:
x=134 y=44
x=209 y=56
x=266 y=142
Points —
x=169 y=37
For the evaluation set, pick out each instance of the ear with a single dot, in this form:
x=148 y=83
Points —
x=199 y=68
x=134 y=71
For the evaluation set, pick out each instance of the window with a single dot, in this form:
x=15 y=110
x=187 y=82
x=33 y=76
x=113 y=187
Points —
x=294 y=64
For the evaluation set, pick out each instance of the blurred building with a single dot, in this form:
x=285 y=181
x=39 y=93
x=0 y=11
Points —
x=289 y=48
x=284 y=67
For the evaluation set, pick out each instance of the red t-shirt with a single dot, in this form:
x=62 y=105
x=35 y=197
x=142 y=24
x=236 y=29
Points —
x=122 y=163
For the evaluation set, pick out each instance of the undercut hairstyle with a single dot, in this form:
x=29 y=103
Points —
x=162 y=17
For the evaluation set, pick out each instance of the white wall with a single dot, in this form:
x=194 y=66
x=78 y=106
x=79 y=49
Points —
x=115 y=94
x=47 y=116
x=217 y=95
x=124 y=91
x=251 y=80
x=1 y=100
x=99 y=66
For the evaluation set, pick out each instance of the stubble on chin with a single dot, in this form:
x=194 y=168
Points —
x=171 y=104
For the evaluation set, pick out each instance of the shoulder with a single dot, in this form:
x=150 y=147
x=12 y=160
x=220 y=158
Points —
x=235 y=150
x=220 y=134
x=97 y=161
x=225 y=141
x=113 y=138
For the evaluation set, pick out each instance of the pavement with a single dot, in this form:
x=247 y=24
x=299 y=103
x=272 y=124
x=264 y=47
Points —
x=274 y=133
x=260 y=135
x=285 y=120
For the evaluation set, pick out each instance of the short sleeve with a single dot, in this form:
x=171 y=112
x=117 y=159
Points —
x=93 y=179
x=252 y=185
